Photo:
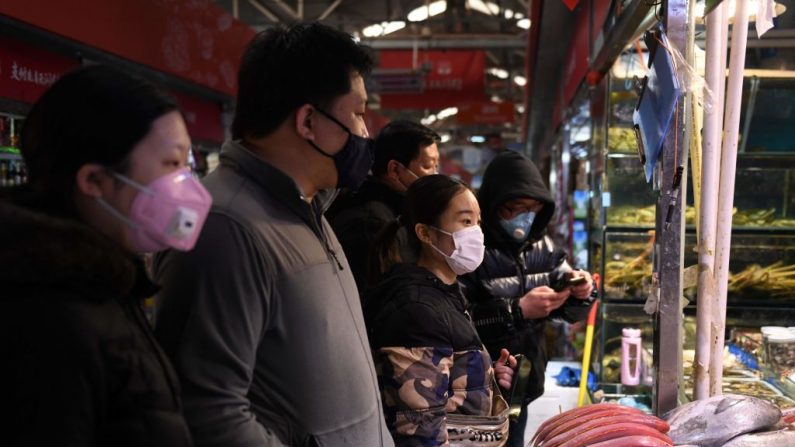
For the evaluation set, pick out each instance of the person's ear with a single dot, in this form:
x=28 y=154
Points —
x=421 y=230
x=91 y=179
x=393 y=170
x=304 y=117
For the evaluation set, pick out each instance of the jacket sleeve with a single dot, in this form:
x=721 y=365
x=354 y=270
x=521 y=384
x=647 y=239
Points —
x=413 y=365
x=574 y=309
x=210 y=318
x=414 y=387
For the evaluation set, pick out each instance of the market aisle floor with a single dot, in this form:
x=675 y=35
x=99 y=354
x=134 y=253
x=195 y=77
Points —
x=554 y=400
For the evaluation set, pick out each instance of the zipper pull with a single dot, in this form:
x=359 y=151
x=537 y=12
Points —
x=334 y=255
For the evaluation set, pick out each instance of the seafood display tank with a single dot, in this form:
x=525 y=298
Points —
x=762 y=264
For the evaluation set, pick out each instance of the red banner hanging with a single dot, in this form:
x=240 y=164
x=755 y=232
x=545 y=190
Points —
x=450 y=78
x=191 y=39
x=202 y=118
x=485 y=113
x=26 y=71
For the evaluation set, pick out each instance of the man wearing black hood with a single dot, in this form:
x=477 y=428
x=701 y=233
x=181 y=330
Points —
x=524 y=279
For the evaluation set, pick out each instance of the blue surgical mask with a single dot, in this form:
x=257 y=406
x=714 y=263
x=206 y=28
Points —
x=353 y=162
x=519 y=226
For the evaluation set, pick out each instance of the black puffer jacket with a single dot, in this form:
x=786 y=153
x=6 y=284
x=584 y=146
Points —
x=511 y=269
x=428 y=356
x=357 y=218
x=80 y=364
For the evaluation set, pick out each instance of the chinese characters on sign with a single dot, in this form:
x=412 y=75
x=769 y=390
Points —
x=25 y=74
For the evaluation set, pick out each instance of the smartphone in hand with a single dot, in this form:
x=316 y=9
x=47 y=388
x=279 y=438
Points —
x=578 y=281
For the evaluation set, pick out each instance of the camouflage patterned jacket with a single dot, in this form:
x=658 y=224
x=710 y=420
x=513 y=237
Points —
x=429 y=359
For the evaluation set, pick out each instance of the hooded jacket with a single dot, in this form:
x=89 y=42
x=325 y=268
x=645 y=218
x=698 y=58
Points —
x=428 y=355
x=80 y=364
x=510 y=269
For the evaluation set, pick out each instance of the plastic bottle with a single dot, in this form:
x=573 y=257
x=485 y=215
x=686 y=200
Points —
x=630 y=356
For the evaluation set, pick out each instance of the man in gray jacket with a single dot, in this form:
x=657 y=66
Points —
x=262 y=319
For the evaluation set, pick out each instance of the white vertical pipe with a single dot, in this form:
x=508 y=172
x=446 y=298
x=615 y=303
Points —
x=713 y=121
x=726 y=195
x=724 y=41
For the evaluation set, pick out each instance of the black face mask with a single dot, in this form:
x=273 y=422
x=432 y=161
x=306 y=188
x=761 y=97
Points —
x=353 y=162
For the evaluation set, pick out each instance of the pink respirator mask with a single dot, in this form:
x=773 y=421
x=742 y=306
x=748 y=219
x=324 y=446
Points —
x=167 y=213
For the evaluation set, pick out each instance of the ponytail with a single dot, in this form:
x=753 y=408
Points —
x=426 y=199
x=385 y=252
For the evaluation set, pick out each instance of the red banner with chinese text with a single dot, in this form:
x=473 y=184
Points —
x=485 y=113
x=26 y=71
x=450 y=78
x=191 y=39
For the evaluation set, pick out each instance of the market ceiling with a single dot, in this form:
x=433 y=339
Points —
x=497 y=27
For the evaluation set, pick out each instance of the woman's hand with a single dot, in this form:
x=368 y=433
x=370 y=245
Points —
x=503 y=369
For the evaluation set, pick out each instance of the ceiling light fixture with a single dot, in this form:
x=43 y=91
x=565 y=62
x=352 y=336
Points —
x=383 y=28
x=498 y=72
x=430 y=10
x=488 y=8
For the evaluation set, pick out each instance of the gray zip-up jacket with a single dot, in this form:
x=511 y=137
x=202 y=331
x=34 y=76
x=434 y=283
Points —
x=262 y=320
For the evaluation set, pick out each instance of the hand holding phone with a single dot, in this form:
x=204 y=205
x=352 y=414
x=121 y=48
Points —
x=579 y=280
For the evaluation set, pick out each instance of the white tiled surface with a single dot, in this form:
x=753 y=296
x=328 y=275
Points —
x=554 y=400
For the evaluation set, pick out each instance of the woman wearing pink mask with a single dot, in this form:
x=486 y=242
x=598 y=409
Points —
x=106 y=154
x=430 y=361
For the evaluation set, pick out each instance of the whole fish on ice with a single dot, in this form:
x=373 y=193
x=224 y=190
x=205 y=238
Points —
x=713 y=421
x=779 y=438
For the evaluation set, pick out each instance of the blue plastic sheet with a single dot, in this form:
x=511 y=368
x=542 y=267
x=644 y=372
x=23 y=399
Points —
x=657 y=103
x=571 y=377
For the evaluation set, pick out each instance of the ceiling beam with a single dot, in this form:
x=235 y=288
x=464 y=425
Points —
x=450 y=41
x=264 y=11
x=287 y=9
x=329 y=10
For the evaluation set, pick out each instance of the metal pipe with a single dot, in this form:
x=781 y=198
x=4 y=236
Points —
x=626 y=26
x=235 y=9
x=726 y=195
x=442 y=43
x=329 y=10
x=286 y=8
x=300 y=10
x=715 y=76
x=264 y=11
x=669 y=242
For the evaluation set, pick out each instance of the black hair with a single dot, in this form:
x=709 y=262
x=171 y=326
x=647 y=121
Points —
x=401 y=140
x=284 y=68
x=426 y=200
x=94 y=114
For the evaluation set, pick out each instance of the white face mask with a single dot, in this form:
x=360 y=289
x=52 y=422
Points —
x=416 y=177
x=469 y=249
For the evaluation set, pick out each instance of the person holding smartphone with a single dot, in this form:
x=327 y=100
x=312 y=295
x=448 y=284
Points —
x=524 y=280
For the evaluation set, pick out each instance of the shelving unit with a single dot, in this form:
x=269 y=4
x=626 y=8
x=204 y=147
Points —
x=623 y=225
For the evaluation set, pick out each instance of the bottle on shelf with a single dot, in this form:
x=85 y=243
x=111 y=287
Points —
x=630 y=356
x=17 y=173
